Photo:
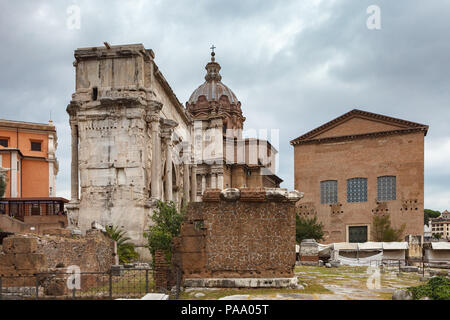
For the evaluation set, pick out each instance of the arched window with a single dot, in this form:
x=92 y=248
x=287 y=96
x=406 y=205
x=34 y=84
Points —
x=328 y=192
x=386 y=188
x=357 y=190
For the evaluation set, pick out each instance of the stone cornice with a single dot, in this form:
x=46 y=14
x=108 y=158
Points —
x=405 y=125
x=13 y=125
x=359 y=136
x=169 y=91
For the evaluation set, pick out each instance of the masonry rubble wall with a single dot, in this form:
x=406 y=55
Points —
x=246 y=233
x=26 y=255
x=32 y=224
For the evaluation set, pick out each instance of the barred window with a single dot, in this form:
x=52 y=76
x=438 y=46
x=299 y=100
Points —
x=328 y=192
x=35 y=146
x=386 y=188
x=357 y=190
x=4 y=142
x=357 y=234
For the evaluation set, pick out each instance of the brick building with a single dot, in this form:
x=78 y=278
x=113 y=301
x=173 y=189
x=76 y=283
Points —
x=360 y=165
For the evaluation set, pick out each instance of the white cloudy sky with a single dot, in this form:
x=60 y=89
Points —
x=294 y=65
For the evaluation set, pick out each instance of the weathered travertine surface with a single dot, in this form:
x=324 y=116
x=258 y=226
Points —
x=127 y=132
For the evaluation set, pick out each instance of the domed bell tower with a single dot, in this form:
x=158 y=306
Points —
x=217 y=115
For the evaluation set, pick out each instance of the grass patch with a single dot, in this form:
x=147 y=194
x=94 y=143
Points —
x=315 y=288
x=336 y=271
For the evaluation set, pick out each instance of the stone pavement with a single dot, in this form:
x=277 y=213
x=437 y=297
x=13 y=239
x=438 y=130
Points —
x=342 y=283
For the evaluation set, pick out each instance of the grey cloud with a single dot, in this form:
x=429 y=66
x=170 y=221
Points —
x=330 y=66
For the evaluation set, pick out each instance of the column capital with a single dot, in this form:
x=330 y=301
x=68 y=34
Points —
x=168 y=123
x=153 y=112
x=155 y=106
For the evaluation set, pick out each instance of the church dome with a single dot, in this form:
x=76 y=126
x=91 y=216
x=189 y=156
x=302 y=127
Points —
x=213 y=89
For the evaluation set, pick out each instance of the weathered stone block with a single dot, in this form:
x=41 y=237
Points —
x=211 y=195
x=17 y=244
x=409 y=269
x=400 y=294
x=253 y=195
x=230 y=194
x=29 y=261
x=193 y=244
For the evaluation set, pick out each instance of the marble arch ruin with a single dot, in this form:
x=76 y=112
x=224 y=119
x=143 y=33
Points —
x=132 y=140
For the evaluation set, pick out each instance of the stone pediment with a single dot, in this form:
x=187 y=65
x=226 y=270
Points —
x=357 y=123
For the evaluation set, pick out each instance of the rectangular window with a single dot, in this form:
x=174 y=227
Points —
x=4 y=142
x=357 y=190
x=386 y=188
x=36 y=146
x=357 y=234
x=328 y=192
x=35 y=210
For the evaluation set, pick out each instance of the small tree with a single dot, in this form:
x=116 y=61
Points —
x=125 y=249
x=167 y=225
x=384 y=232
x=308 y=228
x=430 y=214
x=437 y=236
x=2 y=185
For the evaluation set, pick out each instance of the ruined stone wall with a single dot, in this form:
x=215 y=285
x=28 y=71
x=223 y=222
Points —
x=250 y=236
x=32 y=224
x=29 y=254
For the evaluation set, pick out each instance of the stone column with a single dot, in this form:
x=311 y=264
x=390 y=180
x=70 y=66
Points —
x=167 y=137
x=167 y=131
x=155 y=157
x=74 y=166
x=220 y=181
x=203 y=183
x=213 y=181
x=186 y=181
x=194 y=183
x=153 y=118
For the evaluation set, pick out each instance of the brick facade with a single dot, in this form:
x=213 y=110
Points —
x=362 y=145
x=251 y=236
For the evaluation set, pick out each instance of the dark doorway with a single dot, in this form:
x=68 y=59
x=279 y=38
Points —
x=357 y=234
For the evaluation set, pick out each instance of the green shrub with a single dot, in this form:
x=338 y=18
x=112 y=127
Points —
x=2 y=185
x=167 y=224
x=125 y=249
x=308 y=228
x=437 y=288
x=384 y=232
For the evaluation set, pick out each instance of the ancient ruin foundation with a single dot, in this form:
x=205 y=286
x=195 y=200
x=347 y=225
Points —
x=239 y=238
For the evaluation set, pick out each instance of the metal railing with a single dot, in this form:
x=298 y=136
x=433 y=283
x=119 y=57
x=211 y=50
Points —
x=129 y=283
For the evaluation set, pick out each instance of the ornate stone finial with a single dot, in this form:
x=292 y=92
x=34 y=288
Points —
x=213 y=53
x=213 y=67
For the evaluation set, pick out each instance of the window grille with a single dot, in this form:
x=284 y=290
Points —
x=386 y=188
x=357 y=190
x=328 y=192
